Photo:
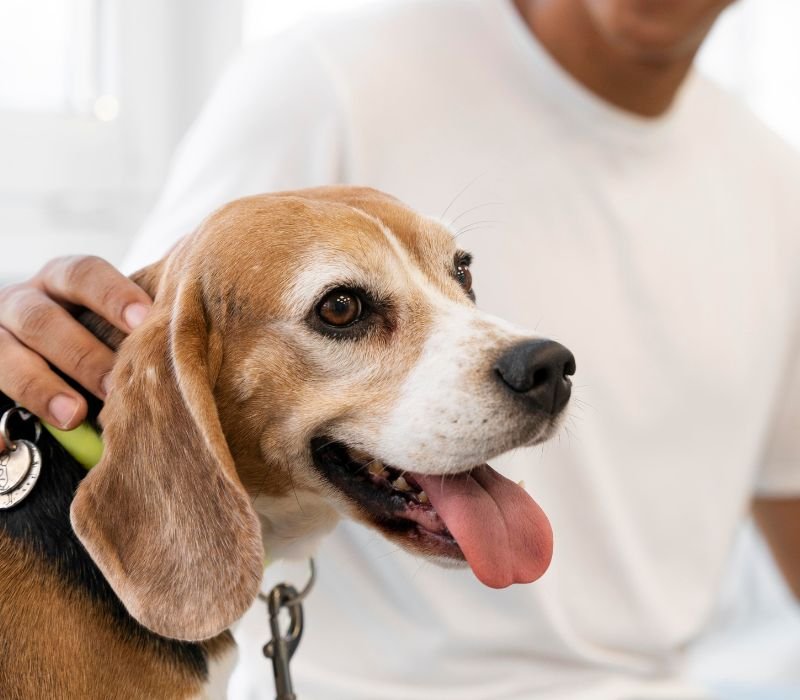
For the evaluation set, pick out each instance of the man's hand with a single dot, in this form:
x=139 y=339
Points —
x=36 y=327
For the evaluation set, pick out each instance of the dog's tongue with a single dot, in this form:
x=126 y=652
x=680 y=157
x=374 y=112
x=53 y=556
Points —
x=505 y=536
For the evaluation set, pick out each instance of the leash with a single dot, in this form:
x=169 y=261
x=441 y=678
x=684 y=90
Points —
x=20 y=466
x=282 y=647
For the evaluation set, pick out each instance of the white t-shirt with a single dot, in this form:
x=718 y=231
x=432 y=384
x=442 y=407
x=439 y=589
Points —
x=665 y=253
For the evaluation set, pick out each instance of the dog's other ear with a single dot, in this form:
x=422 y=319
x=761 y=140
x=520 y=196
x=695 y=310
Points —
x=164 y=515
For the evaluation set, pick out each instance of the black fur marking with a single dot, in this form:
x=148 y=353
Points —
x=41 y=522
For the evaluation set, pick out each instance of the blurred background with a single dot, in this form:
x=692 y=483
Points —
x=96 y=94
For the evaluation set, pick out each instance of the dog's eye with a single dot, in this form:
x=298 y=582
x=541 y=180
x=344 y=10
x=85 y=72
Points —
x=464 y=277
x=461 y=262
x=340 y=308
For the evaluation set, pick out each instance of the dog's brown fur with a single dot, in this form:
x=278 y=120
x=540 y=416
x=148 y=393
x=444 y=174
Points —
x=195 y=406
x=57 y=642
x=215 y=401
x=169 y=454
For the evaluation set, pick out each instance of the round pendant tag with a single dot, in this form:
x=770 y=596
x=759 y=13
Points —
x=19 y=471
x=14 y=466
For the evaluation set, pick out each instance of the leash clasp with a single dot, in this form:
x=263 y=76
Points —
x=24 y=416
x=282 y=647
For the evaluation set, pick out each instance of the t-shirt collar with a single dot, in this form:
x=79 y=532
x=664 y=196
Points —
x=576 y=101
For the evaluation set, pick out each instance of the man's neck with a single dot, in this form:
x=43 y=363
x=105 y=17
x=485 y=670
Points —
x=568 y=33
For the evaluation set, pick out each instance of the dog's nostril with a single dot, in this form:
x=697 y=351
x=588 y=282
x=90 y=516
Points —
x=541 y=376
x=539 y=369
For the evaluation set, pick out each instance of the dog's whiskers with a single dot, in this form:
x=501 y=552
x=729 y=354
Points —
x=260 y=488
x=472 y=229
x=367 y=465
x=480 y=222
x=322 y=447
x=471 y=209
x=460 y=192
x=391 y=552
x=294 y=490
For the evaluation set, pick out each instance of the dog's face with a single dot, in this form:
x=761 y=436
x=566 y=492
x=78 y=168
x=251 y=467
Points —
x=314 y=354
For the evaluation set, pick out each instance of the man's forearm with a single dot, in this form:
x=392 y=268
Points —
x=779 y=521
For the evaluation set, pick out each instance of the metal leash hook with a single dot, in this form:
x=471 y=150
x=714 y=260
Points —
x=282 y=647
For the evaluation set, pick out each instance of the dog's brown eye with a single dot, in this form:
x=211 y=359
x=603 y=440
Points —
x=340 y=308
x=464 y=277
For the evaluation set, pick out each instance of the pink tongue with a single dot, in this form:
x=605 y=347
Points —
x=503 y=533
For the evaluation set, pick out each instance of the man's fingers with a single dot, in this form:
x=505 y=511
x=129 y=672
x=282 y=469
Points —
x=35 y=329
x=26 y=378
x=94 y=283
x=47 y=329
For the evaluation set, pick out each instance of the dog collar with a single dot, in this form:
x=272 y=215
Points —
x=83 y=443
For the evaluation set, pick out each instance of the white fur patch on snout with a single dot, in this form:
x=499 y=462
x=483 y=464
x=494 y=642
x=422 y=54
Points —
x=452 y=412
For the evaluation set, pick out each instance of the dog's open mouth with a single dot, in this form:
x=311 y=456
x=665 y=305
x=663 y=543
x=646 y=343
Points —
x=477 y=515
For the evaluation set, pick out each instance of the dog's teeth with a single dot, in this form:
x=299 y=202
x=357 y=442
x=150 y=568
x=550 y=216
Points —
x=521 y=484
x=422 y=497
x=376 y=467
x=401 y=484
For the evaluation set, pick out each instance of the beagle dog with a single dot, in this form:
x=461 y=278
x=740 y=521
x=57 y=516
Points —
x=310 y=355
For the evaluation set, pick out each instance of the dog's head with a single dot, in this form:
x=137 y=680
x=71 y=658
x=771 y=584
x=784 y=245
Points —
x=312 y=355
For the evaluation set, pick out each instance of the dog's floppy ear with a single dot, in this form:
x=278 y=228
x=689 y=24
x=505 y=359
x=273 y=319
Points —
x=164 y=515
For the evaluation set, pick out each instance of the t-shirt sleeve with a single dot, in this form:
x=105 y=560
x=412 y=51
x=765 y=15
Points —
x=780 y=472
x=272 y=123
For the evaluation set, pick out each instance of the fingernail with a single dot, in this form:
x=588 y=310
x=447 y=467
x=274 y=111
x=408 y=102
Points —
x=135 y=314
x=63 y=408
x=105 y=384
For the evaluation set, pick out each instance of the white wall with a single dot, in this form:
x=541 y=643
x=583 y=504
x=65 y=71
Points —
x=71 y=182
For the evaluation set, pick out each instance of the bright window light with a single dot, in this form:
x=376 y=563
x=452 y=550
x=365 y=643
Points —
x=262 y=18
x=50 y=55
x=754 y=53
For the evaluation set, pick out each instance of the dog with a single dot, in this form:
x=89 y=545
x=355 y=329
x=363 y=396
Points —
x=310 y=355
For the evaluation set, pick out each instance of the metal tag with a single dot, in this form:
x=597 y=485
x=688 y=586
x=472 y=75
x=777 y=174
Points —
x=19 y=471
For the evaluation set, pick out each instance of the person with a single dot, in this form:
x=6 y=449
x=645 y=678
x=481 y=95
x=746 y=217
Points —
x=615 y=200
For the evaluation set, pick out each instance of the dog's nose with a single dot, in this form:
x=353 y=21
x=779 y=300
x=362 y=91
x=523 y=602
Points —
x=540 y=370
